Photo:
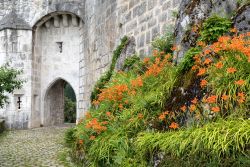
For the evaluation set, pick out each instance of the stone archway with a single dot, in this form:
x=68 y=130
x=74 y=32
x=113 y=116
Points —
x=54 y=103
x=57 y=50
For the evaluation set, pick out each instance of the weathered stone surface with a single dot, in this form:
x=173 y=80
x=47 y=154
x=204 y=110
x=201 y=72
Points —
x=194 y=12
x=242 y=19
x=128 y=51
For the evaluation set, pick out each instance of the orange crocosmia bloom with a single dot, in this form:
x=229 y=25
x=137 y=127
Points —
x=240 y=82
x=195 y=101
x=211 y=99
x=88 y=115
x=231 y=70
x=140 y=116
x=162 y=53
x=225 y=97
x=192 y=108
x=219 y=65
x=203 y=83
x=216 y=109
x=108 y=114
x=183 y=108
x=174 y=48
x=96 y=102
x=162 y=116
x=80 y=141
x=202 y=71
x=195 y=67
x=120 y=106
x=200 y=43
x=174 y=125
x=207 y=61
x=92 y=138
x=146 y=60
x=207 y=51
x=242 y=97
x=155 y=53
x=224 y=39
x=233 y=30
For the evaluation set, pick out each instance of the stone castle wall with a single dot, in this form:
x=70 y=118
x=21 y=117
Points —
x=104 y=23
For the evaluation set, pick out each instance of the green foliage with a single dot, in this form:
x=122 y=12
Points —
x=69 y=110
x=213 y=144
x=164 y=43
x=2 y=126
x=188 y=61
x=131 y=135
x=130 y=62
x=69 y=92
x=8 y=82
x=70 y=136
x=105 y=78
x=214 y=27
x=69 y=104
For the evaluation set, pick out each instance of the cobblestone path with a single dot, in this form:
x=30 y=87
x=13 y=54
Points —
x=32 y=148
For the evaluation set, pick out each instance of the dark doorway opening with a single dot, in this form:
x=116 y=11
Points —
x=69 y=104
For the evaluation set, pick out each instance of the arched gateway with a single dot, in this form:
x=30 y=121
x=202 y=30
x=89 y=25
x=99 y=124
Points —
x=56 y=56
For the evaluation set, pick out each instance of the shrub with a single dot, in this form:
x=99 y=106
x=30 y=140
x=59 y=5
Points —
x=224 y=142
x=214 y=27
x=8 y=82
x=165 y=42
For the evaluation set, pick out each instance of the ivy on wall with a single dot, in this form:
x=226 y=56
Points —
x=106 y=77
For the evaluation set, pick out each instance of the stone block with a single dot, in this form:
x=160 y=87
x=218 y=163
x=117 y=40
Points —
x=140 y=9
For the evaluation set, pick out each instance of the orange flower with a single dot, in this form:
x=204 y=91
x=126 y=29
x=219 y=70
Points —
x=231 y=70
x=216 y=109
x=146 y=60
x=240 y=82
x=207 y=51
x=203 y=83
x=121 y=106
x=207 y=61
x=88 y=115
x=225 y=97
x=108 y=114
x=162 y=116
x=200 y=43
x=81 y=141
x=202 y=71
x=95 y=102
x=219 y=65
x=195 y=67
x=92 y=138
x=174 y=125
x=233 y=30
x=211 y=99
x=195 y=101
x=242 y=97
x=183 y=108
x=140 y=116
x=192 y=108
x=174 y=48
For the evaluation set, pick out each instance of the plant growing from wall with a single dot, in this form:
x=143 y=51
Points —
x=106 y=77
x=164 y=43
x=214 y=27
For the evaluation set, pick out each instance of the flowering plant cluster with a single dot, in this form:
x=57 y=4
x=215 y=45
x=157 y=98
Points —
x=134 y=102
